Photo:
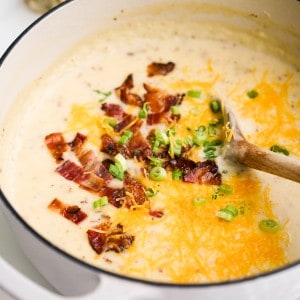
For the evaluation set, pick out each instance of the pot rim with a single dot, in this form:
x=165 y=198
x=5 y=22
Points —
x=80 y=262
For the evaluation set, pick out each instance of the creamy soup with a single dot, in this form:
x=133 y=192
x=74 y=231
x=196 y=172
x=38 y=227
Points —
x=115 y=153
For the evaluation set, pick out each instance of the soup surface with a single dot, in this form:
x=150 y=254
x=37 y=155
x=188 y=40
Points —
x=115 y=154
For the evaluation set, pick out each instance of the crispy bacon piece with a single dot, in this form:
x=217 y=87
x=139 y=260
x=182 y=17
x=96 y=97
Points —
x=70 y=171
x=89 y=181
x=56 y=144
x=160 y=103
x=201 y=172
x=115 y=196
x=160 y=100
x=112 y=239
x=160 y=68
x=111 y=147
x=77 y=143
x=204 y=173
x=135 y=192
x=113 y=110
x=70 y=212
x=91 y=164
x=139 y=146
x=123 y=92
x=116 y=111
x=156 y=213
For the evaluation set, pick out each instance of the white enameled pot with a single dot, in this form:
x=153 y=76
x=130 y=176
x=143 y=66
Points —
x=33 y=52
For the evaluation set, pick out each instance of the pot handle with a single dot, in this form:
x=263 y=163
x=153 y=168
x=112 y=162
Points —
x=110 y=287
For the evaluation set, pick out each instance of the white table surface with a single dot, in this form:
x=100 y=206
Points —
x=15 y=16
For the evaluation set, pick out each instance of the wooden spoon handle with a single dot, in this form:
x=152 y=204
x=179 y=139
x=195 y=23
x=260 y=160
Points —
x=258 y=158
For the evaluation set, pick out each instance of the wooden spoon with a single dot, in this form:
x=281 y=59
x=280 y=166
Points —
x=240 y=150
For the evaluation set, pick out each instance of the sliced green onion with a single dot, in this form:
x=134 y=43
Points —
x=223 y=189
x=177 y=174
x=104 y=95
x=212 y=143
x=175 y=110
x=115 y=171
x=155 y=146
x=234 y=211
x=199 y=201
x=158 y=173
x=125 y=137
x=215 y=106
x=143 y=113
x=280 y=149
x=156 y=161
x=150 y=192
x=252 y=94
x=225 y=215
x=269 y=225
x=162 y=137
x=100 y=202
x=176 y=148
x=111 y=121
x=120 y=162
x=194 y=94
x=200 y=135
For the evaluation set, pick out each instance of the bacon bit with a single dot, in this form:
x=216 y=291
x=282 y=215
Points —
x=159 y=100
x=136 y=191
x=201 y=172
x=113 y=240
x=56 y=144
x=97 y=240
x=139 y=146
x=71 y=171
x=204 y=173
x=109 y=145
x=71 y=212
x=128 y=119
x=156 y=213
x=93 y=183
x=127 y=97
x=115 y=196
x=91 y=164
x=116 y=111
x=78 y=141
x=160 y=68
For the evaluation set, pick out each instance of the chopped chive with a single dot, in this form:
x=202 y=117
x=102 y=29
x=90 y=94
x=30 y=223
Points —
x=162 y=137
x=150 y=192
x=199 y=201
x=231 y=209
x=279 y=149
x=225 y=215
x=225 y=189
x=143 y=113
x=115 y=171
x=215 y=106
x=200 y=135
x=269 y=225
x=120 y=162
x=176 y=148
x=177 y=174
x=158 y=173
x=111 y=121
x=156 y=161
x=252 y=94
x=100 y=202
x=104 y=95
x=194 y=93
x=216 y=142
x=155 y=146
x=125 y=137
x=175 y=110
